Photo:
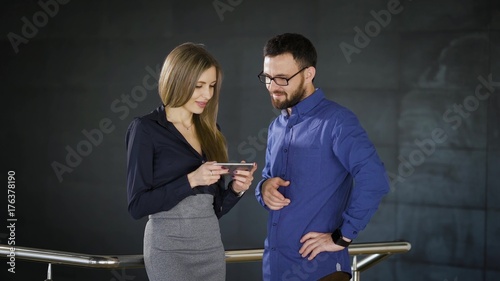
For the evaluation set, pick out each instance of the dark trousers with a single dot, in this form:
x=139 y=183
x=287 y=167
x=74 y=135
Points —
x=336 y=276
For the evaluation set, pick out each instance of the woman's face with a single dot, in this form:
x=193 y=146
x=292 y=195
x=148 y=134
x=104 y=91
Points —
x=203 y=91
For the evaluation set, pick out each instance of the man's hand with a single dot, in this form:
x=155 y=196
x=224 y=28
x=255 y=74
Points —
x=314 y=243
x=273 y=199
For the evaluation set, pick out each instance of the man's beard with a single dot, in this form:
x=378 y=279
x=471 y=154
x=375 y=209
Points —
x=291 y=99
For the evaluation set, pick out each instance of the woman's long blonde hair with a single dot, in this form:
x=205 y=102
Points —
x=179 y=75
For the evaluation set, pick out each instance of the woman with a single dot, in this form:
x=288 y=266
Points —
x=171 y=176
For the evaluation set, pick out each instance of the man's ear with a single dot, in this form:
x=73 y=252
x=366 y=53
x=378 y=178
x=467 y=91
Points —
x=310 y=73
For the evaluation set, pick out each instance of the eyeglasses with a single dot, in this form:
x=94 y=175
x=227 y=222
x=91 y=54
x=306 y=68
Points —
x=280 y=81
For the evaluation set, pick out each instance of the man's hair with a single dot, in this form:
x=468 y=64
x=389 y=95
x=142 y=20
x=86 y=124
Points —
x=300 y=47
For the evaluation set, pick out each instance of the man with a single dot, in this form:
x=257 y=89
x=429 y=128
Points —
x=316 y=150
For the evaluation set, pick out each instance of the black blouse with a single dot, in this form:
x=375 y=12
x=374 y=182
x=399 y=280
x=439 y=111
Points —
x=158 y=161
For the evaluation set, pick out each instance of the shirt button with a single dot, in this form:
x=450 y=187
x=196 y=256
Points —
x=285 y=150
x=273 y=249
x=282 y=176
x=275 y=224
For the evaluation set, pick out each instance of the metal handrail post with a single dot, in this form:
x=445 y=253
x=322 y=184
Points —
x=370 y=261
x=49 y=273
x=355 y=271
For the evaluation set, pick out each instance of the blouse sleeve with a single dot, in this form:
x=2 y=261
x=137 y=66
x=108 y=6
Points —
x=225 y=199
x=144 y=198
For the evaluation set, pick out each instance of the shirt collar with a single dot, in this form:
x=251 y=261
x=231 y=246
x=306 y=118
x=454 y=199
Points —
x=159 y=116
x=306 y=104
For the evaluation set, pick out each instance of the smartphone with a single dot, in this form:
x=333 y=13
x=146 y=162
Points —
x=236 y=166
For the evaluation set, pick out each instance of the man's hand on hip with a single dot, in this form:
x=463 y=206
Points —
x=314 y=243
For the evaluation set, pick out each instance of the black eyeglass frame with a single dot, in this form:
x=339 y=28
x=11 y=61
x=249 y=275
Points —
x=262 y=77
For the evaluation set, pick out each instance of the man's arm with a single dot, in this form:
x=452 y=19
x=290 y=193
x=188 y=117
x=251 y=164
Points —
x=358 y=155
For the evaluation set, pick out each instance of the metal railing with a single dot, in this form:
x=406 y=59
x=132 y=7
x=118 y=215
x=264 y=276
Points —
x=374 y=252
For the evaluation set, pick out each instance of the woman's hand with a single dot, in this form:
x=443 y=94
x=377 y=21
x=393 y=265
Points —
x=243 y=179
x=206 y=174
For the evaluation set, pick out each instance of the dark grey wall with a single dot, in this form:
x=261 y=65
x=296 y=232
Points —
x=89 y=66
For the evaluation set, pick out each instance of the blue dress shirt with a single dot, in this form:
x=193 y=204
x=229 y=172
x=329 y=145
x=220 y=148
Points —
x=322 y=150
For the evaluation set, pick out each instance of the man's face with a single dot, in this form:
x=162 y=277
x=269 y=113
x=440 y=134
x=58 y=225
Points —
x=284 y=66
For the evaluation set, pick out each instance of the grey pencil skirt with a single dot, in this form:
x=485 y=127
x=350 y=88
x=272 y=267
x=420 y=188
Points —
x=184 y=243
